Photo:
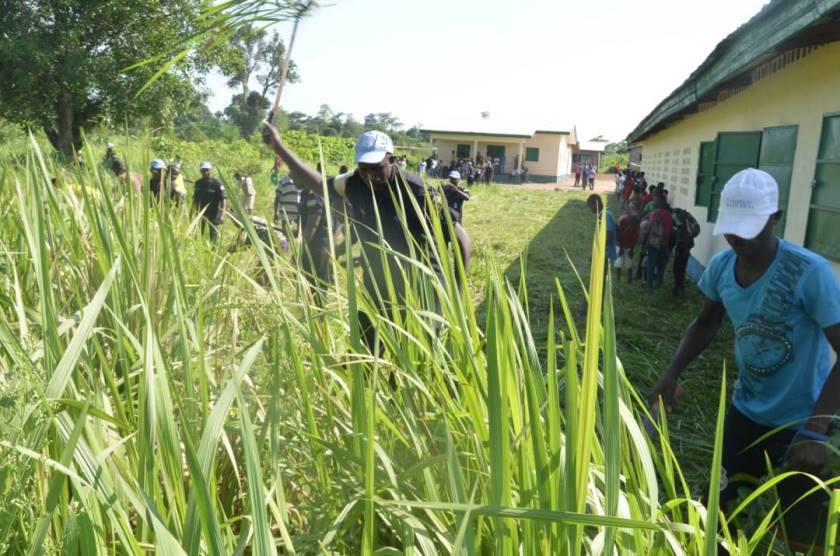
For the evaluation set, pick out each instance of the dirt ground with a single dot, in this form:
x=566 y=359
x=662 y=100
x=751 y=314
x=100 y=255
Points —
x=603 y=184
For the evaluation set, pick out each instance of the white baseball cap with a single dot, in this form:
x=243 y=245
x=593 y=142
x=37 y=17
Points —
x=747 y=201
x=372 y=147
x=110 y=146
x=157 y=164
x=455 y=174
x=205 y=166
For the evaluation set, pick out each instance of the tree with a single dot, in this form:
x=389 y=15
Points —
x=616 y=148
x=198 y=123
x=248 y=52
x=599 y=139
x=247 y=113
x=273 y=54
x=64 y=63
x=254 y=53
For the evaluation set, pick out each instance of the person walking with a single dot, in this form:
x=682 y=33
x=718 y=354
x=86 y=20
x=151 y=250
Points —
x=455 y=196
x=591 y=177
x=209 y=196
x=286 y=206
x=314 y=235
x=157 y=179
x=784 y=304
x=658 y=241
x=686 y=228
x=246 y=186
x=373 y=194
x=628 y=237
x=175 y=182
x=596 y=204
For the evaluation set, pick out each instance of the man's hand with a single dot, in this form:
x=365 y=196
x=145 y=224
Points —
x=667 y=389
x=806 y=455
x=271 y=136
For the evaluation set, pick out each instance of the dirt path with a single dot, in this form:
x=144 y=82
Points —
x=603 y=184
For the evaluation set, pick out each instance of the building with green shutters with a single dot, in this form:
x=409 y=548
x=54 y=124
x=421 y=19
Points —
x=767 y=97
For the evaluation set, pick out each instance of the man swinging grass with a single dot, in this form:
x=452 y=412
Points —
x=376 y=185
x=784 y=304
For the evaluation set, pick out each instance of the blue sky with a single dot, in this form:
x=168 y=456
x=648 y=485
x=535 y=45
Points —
x=601 y=65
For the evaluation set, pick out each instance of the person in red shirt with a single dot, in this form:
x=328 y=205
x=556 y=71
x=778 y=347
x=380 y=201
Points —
x=658 y=240
x=649 y=196
x=577 y=174
x=628 y=185
x=628 y=236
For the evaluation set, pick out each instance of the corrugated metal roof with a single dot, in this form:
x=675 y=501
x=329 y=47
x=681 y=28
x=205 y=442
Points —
x=502 y=125
x=777 y=23
x=594 y=146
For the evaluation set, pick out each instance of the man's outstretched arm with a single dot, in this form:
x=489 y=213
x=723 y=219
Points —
x=699 y=335
x=301 y=173
x=464 y=246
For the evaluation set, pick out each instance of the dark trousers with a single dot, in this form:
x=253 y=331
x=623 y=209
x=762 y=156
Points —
x=743 y=467
x=681 y=256
x=214 y=228
x=655 y=268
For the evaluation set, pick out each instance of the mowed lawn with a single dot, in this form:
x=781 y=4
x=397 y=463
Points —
x=553 y=230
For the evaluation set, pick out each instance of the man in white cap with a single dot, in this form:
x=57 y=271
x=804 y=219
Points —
x=784 y=304
x=157 y=168
x=209 y=196
x=377 y=185
x=455 y=196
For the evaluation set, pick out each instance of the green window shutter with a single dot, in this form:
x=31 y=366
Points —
x=462 y=151
x=495 y=151
x=778 y=147
x=705 y=174
x=823 y=232
x=735 y=151
x=532 y=154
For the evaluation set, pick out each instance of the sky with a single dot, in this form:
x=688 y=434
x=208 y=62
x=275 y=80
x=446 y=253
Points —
x=600 y=65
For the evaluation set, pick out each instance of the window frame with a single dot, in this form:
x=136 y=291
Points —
x=529 y=150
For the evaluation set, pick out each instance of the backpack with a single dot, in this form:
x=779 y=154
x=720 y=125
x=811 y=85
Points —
x=656 y=232
x=686 y=225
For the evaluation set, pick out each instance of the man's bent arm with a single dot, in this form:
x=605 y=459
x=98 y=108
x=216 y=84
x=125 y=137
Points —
x=829 y=401
x=303 y=175
x=464 y=244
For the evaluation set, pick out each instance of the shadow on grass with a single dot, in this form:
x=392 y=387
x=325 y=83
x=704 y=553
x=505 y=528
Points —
x=649 y=325
x=545 y=261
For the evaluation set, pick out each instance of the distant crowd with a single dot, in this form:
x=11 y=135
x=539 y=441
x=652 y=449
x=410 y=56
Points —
x=649 y=232
x=481 y=169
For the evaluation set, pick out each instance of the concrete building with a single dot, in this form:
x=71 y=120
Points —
x=767 y=97
x=547 y=154
x=589 y=152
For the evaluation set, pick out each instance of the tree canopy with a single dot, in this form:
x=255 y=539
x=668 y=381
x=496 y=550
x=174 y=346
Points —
x=252 y=53
x=64 y=63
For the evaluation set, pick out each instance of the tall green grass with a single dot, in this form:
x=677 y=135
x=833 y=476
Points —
x=167 y=396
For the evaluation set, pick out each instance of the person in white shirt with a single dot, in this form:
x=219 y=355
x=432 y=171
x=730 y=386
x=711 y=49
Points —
x=246 y=186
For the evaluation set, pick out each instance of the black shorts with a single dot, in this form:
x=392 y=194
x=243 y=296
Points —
x=744 y=467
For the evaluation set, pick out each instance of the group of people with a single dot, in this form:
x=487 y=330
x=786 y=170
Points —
x=481 y=169
x=655 y=230
x=585 y=175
